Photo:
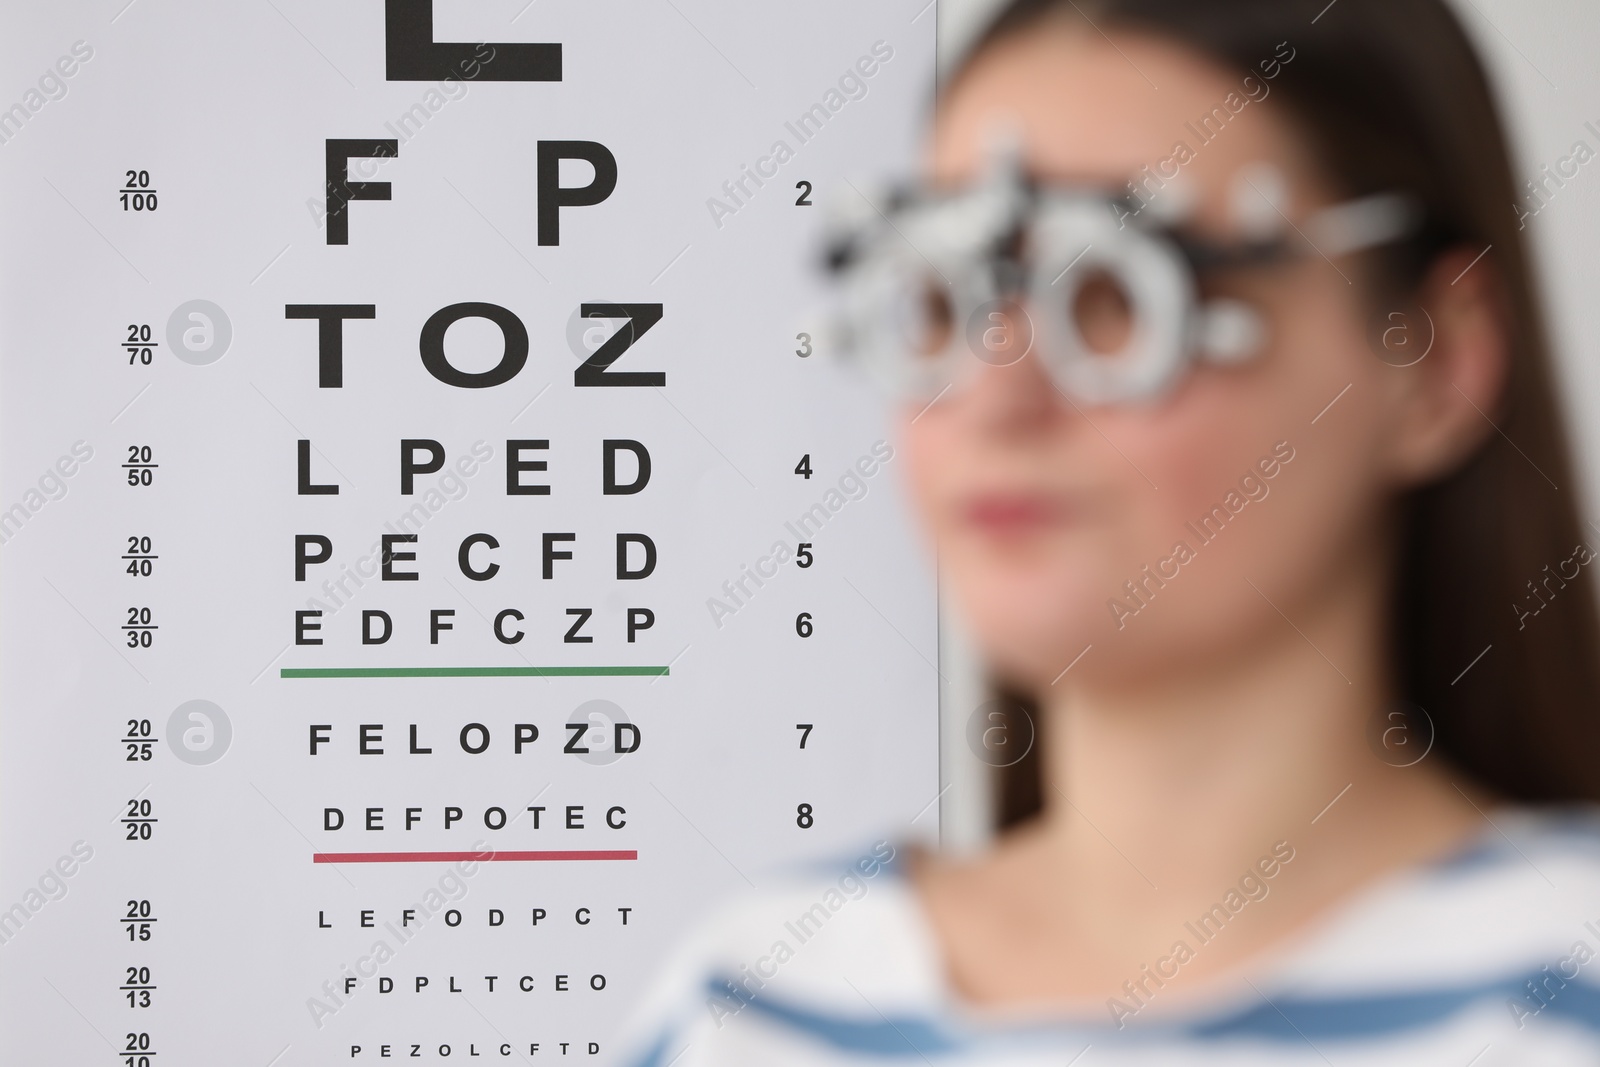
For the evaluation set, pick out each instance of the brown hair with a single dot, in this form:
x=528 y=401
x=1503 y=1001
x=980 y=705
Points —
x=1393 y=97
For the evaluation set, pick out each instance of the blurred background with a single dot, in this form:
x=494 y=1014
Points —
x=1541 y=56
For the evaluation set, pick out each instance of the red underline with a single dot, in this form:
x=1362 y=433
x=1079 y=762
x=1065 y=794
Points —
x=476 y=857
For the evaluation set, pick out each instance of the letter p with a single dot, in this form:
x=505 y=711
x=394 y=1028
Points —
x=553 y=196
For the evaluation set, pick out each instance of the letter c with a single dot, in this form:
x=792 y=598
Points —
x=499 y=623
x=464 y=557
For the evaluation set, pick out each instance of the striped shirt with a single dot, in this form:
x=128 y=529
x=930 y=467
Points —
x=1490 y=957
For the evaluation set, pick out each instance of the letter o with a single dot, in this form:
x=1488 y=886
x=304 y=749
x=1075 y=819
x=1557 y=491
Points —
x=512 y=360
x=448 y=921
x=488 y=821
x=483 y=732
x=597 y=982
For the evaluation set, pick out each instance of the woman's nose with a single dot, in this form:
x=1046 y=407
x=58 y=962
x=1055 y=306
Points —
x=1010 y=391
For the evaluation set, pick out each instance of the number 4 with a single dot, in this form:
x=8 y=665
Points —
x=803 y=468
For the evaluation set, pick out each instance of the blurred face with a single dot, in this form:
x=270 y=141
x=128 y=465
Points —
x=1157 y=531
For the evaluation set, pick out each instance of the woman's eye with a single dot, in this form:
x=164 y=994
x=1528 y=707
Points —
x=1103 y=313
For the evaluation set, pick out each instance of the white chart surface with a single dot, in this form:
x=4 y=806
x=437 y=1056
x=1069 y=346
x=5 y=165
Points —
x=174 y=764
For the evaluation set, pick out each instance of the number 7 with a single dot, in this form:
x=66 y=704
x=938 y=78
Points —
x=805 y=728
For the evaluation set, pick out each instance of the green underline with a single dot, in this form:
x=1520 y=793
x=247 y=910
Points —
x=471 y=672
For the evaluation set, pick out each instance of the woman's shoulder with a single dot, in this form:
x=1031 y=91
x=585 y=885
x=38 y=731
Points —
x=814 y=918
x=1523 y=895
x=1568 y=833
x=827 y=938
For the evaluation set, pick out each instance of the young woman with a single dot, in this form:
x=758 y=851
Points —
x=1232 y=419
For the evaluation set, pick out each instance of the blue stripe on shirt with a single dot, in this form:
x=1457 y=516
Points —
x=1292 y=1020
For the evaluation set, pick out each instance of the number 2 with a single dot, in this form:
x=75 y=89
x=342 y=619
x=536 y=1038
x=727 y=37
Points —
x=804 y=199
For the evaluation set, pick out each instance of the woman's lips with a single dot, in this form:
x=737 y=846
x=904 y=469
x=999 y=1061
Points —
x=1016 y=514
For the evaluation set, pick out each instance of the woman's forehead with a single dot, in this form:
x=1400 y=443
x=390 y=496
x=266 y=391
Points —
x=1096 y=110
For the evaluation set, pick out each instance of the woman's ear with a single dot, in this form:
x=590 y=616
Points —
x=1444 y=405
